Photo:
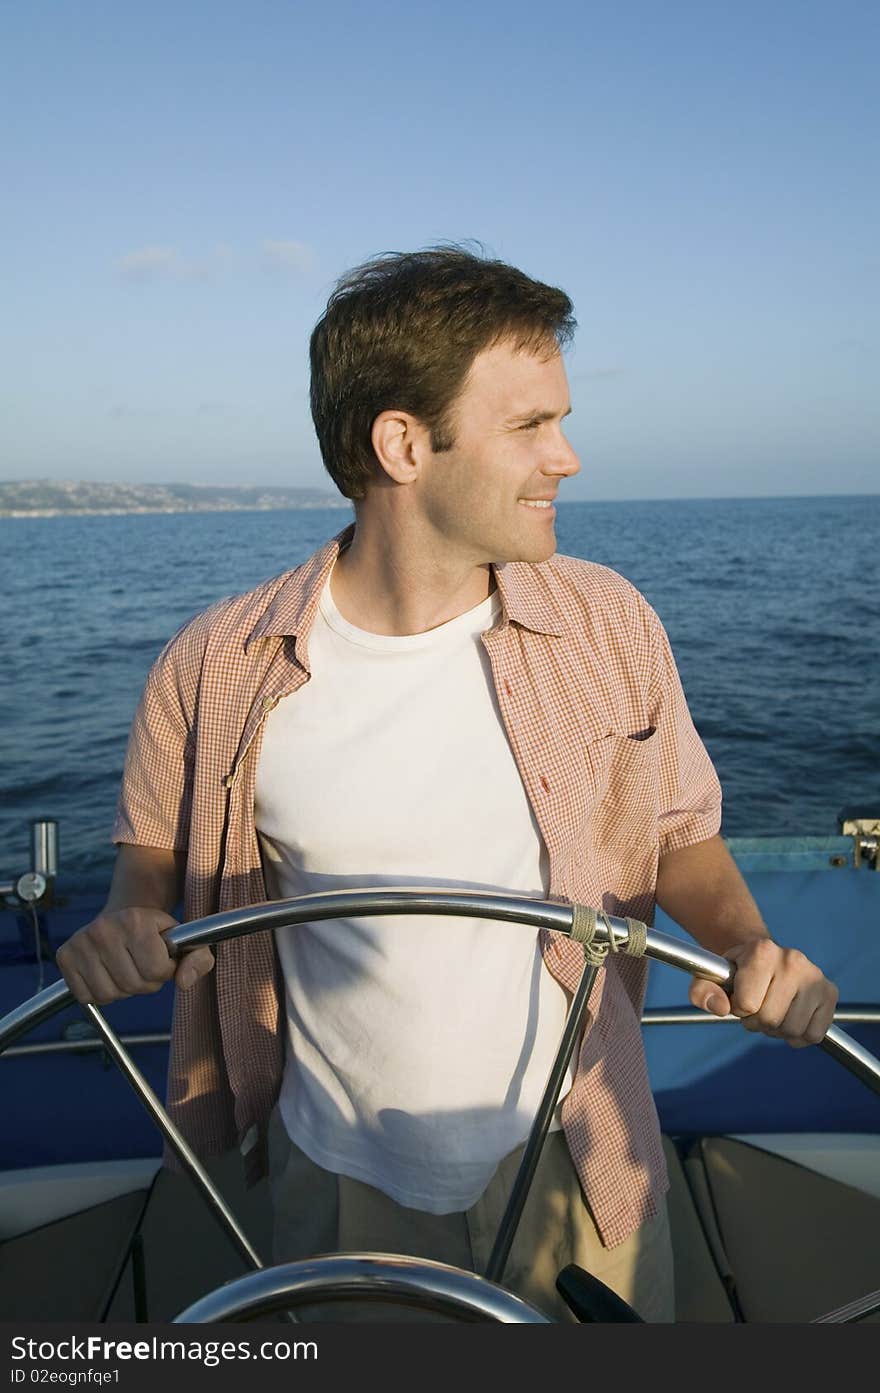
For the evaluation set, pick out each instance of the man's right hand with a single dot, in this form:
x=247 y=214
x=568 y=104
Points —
x=123 y=953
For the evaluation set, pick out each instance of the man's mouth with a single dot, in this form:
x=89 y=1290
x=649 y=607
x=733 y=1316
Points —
x=536 y=502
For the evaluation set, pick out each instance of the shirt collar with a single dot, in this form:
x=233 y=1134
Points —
x=526 y=598
x=524 y=590
x=294 y=605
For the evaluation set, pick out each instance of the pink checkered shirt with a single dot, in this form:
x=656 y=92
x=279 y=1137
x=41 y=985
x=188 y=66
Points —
x=615 y=773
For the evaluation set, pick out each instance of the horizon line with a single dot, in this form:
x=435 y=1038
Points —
x=316 y=488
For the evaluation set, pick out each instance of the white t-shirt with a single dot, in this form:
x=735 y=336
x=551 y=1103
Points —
x=418 y=1046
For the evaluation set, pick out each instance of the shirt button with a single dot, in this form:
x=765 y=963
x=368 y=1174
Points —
x=268 y=703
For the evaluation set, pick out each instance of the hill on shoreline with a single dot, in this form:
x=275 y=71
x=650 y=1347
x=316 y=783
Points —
x=21 y=498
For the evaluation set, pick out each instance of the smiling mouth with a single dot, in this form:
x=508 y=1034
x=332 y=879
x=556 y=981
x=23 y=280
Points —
x=544 y=503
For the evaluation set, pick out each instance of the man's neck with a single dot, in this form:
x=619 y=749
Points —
x=388 y=583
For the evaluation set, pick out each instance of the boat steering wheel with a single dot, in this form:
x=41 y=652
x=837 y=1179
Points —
x=385 y=1278
x=374 y=1277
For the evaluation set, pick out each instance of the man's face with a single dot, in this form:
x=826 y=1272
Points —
x=489 y=498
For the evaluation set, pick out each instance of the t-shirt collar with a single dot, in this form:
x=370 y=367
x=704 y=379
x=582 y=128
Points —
x=523 y=588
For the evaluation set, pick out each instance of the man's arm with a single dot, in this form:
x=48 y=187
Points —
x=122 y=952
x=777 y=991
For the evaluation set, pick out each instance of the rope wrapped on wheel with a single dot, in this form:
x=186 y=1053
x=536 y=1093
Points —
x=585 y=921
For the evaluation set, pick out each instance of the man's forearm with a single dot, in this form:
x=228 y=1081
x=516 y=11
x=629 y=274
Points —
x=146 y=877
x=702 y=889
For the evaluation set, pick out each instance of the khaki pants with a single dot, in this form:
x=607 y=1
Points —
x=315 y=1212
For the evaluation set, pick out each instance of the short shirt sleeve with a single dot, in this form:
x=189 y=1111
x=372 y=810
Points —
x=156 y=793
x=690 y=793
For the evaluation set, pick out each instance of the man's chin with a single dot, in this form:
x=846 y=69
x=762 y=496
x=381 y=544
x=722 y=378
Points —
x=532 y=551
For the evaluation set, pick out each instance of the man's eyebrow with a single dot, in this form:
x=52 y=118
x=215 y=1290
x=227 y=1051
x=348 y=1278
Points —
x=535 y=416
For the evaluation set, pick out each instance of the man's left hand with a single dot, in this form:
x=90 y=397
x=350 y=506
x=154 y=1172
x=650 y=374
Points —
x=776 y=991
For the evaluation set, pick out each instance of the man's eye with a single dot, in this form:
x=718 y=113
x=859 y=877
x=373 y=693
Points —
x=530 y=425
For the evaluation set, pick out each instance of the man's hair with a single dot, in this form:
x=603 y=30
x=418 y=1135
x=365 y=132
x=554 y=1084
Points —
x=401 y=332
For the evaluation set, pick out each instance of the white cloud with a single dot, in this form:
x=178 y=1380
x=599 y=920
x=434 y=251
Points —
x=288 y=256
x=165 y=263
x=853 y=345
x=155 y=263
x=124 y=412
x=599 y=374
x=149 y=263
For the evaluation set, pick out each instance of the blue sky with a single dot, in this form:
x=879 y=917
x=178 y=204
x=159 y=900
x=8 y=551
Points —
x=184 y=182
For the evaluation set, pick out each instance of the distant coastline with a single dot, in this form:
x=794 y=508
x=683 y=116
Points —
x=47 y=498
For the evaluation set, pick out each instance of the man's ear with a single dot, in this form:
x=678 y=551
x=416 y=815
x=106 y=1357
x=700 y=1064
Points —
x=398 y=442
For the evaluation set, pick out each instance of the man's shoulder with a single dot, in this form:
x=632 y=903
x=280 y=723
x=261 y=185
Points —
x=589 y=577
x=580 y=588
x=237 y=614
x=227 y=624
x=276 y=606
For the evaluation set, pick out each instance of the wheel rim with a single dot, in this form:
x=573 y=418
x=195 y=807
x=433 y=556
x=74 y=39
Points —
x=382 y=1278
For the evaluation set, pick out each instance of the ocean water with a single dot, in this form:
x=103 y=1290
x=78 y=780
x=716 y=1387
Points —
x=771 y=606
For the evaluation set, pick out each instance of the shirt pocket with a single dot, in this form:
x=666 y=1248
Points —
x=624 y=769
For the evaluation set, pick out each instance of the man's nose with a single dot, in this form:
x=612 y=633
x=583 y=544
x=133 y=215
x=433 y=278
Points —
x=563 y=460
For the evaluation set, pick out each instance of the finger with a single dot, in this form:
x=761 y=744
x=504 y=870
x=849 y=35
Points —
x=79 y=986
x=785 y=1011
x=819 y=1023
x=131 y=948
x=708 y=996
x=750 y=987
x=149 y=955
x=194 y=964
x=90 y=982
x=798 y=1018
x=753 y=1023
x=115 y=959
x=805 y=1024
x=124 y=976
x=790 y=1010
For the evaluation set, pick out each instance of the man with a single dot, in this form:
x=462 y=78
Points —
x=435 y=696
